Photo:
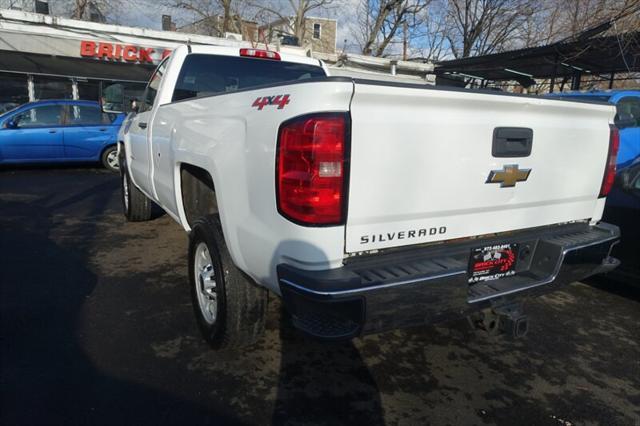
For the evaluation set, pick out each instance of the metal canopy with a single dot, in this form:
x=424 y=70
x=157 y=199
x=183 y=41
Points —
x=31 y=63
x=597 y=56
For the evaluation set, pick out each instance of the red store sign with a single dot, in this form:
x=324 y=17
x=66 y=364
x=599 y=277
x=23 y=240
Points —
x=119 y=52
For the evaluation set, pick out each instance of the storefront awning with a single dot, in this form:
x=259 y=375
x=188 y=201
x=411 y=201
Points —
x=30 y=63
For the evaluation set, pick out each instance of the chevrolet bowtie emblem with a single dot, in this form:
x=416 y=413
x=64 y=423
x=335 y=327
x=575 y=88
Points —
x=508 y=176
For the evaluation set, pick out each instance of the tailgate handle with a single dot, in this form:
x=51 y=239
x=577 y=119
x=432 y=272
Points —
x=512 y=142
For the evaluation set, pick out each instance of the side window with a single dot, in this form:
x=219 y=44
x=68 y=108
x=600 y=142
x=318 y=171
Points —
x=629 y=106
x=86 y=116
x=42 y=116
x=152 y=88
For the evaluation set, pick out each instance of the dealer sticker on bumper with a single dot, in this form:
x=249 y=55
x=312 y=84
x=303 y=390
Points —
x=492 y=262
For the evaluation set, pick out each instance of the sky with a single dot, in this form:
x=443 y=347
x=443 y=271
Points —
x=148 y=14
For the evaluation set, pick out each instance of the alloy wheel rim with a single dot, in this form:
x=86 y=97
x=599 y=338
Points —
x=205 y=282
x=112 y=159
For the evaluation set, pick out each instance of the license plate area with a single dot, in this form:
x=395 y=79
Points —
x=492 y=262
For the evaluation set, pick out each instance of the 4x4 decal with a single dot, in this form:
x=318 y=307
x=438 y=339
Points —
x=280 y=100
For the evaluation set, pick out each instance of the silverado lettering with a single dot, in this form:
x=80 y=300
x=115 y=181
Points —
x=401 y=235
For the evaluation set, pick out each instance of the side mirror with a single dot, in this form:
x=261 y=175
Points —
x=11 y=124
x=624 y=120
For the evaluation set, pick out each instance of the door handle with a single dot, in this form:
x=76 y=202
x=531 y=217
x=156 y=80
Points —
x=142 y=125
x=53 y=131
x=103 y=130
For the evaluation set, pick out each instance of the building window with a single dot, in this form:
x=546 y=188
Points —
x=13 y=91
x=53 y=88
x=88 y=90
x=316 y=31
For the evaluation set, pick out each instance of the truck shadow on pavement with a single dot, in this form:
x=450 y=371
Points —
x=320 y=382
x=323 y=383
x=46 y=376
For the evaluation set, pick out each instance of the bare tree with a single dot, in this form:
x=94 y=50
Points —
x=478 y=27
x=215 y=16
x=80 y=9
x=75 y=9
x=556 y=20
x=429 y=39
x=87 y=9
x=292 y=13
x=11 y=4
x=462 y=28
x=383 y=22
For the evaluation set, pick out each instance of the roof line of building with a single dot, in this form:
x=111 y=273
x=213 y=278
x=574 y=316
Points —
x=39 y=19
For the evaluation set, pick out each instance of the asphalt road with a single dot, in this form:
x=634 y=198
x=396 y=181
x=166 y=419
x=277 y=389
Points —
x=96 y=328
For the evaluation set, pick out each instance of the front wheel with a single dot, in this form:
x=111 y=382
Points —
x=229 y=308
x=109 y=159
x=135 y=205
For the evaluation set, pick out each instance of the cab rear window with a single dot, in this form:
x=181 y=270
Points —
x=206 y=75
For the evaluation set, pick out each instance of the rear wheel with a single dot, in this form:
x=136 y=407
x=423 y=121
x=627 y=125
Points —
x=135 y=205
x=229 y=308
x=109 y=159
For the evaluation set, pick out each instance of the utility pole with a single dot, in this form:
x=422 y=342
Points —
x=404 y=41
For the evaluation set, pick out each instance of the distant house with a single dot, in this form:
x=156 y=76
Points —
x=213 y=26
x=319 y=33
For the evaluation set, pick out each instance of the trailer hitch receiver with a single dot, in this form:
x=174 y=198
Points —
x=508 y=320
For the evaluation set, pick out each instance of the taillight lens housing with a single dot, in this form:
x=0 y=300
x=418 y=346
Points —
x=610 y=167
x=311 y=168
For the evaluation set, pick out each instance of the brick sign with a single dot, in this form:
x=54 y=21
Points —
x=121 y=52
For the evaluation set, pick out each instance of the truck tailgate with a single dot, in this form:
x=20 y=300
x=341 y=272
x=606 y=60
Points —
x=421 y=159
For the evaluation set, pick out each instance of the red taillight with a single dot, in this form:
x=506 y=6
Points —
x=310 y=175
x=610 y=168
x=261 y=54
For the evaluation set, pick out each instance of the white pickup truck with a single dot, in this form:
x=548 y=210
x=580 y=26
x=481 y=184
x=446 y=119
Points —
x=365 y=205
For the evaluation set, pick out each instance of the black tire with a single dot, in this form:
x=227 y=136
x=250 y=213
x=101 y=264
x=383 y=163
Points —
x=241 y=305
x=109 y=158
x=135 y=205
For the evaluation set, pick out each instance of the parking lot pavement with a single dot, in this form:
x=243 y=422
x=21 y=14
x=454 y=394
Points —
x=97 y=328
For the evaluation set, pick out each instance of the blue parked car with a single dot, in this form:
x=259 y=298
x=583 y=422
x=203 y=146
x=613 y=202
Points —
x=59 y=132
x=623 y=202
x=627 y=119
